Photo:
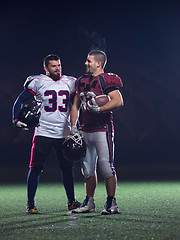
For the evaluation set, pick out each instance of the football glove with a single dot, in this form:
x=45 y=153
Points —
x=74 y=130
x=21 y=125
x=94 y=107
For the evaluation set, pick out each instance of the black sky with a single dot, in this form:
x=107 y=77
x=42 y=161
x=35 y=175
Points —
x=142 y=44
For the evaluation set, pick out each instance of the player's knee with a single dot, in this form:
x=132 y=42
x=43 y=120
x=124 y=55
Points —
x=37 y=169
x=108 y=174
x=68 y=171
x=87 y=173
x=67 y=166
x=107 y=171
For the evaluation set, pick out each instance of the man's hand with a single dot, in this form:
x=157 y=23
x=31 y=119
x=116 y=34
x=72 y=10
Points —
x=74 y=130
x=21 y=125
x=94 y=107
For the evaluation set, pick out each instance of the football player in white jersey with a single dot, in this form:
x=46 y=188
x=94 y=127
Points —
x=52 y=92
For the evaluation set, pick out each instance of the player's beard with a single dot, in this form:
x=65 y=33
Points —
x=55 y=76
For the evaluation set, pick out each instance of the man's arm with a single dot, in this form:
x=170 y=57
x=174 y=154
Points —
x=18 y=104
x=116 y=101
x=74 y=114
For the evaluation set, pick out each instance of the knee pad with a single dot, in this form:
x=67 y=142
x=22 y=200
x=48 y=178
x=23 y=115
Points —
x=107 y=174
x=107 y=170
x=86 y=173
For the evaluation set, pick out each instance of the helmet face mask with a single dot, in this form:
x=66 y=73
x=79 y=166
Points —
x=74 y=148
x=30 y=115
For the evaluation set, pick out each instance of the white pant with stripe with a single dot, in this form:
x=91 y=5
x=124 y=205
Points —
x=100 y=150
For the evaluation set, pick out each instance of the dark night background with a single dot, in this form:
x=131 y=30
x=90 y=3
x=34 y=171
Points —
x=142 y=42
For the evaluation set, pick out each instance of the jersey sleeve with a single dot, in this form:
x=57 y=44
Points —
x=113 y=82
x=31 y=84
x=70 y=82
x=78 y=81
x=18 y=104
x=76 y=85
x=72 y=86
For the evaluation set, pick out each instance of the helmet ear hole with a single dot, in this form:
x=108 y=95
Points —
x=30 y=115
x=74 y=148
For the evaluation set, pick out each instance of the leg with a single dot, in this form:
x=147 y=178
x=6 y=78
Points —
x=40 y=149
x=88 y=167
x=111 y=205
x=67 y=175
x=111 y=184
x=105 y=147
x=90 y=185
x=68 y=182
x=32 y=184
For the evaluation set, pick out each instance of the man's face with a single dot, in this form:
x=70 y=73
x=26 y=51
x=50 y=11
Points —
x=53 y=70
x=91 y=64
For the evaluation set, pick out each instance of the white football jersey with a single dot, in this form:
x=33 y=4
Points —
x=54 y=97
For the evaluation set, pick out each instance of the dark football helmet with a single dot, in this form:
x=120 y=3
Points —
x=30 y=114
x=74 y=147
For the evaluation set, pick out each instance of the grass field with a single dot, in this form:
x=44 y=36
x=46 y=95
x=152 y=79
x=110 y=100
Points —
x=149 y=210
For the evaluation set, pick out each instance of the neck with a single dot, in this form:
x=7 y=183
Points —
x=97 y=73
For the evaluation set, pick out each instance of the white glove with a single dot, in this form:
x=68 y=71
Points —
x=94 y=107
x=74 y=130
x=22 y=125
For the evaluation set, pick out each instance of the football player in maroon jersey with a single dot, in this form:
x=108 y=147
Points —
x=97 y=129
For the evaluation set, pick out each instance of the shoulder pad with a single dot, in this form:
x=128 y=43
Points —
x=112 y=79
x=65 y=78
x=30 y=79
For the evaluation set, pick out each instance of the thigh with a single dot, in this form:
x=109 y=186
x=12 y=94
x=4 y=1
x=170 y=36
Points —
x=104 y=143
x=104 y=146
x=40 y=149
x=88 y=164
x=63 y=163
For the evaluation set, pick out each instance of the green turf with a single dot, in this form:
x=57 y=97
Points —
x=149 y=210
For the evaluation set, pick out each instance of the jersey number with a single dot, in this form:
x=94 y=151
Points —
x=53 y=106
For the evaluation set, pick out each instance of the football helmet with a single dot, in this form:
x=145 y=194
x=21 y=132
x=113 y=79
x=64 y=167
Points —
x=30 y=114
x=74 y=147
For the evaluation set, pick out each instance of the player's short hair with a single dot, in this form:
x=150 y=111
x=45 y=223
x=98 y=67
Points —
x=50 y=57
x=99 y=56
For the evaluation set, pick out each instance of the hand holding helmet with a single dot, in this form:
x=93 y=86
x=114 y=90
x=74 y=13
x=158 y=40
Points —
x=74 y=130
x=28 y=117
x=20 y=124
x=74 y=147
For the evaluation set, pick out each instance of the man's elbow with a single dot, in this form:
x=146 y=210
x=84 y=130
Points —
x=74 y=107
x=120 y=103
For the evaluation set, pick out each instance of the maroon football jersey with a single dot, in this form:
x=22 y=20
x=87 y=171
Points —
x=88 y=87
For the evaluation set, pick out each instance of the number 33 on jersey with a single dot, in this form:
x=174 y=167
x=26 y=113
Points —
x=55 y=97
